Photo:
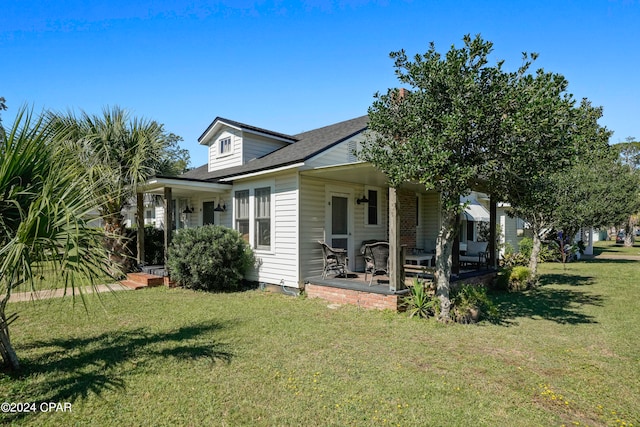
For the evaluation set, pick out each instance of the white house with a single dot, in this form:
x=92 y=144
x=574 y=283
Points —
x=285 y=193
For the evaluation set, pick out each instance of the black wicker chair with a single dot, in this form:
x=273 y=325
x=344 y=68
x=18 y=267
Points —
x=334 y=260
x=376 y=257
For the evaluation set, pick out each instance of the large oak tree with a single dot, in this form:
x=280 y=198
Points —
x=440 y=132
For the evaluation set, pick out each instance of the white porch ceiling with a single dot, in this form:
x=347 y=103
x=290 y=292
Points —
x=183 y=187
x=360 y=173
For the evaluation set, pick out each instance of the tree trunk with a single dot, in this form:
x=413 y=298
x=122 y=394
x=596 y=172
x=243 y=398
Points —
x=628 y=232
x=116 y=243
x=535 y=251
x=9 y=356
x=444 y=246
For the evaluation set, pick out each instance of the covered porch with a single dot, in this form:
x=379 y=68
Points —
x=185 y=203
x=409 y=220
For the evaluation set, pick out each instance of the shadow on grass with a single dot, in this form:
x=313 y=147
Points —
x=565 y=279
x=611 y=261
x=77 y=367
x=617 y=249
x=544 y=302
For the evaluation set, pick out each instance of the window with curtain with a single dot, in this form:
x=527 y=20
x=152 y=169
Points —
x=242 y=213
x=263 y=218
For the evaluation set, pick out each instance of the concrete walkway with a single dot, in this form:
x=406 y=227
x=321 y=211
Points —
x=58 y=293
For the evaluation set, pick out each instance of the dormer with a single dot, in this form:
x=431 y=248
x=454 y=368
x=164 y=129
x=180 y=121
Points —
x=233 y=144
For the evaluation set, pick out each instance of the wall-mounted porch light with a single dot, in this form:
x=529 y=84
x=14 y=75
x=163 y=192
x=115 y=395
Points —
x=219 y=208
x=362 y=200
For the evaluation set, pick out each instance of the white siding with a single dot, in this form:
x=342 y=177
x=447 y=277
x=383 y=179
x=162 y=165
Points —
x=218 y=162
x=220 y=218
x=363 y=232
x=280 y=263
x=254 y=146
x=339 y=154
x=510 y=230
x=429 y=228
x=244 y=147
x=313 y=222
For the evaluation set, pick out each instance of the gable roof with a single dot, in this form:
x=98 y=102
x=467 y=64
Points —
x=307 y=145
x=244 y=127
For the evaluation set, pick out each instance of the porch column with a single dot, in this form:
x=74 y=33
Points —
x=493 y=238
x=168 y=221
x=140 y=224
x=396 y=269
x=588 y=250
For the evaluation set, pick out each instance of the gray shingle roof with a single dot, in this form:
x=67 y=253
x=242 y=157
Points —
x=308 y=145
x=247 y=127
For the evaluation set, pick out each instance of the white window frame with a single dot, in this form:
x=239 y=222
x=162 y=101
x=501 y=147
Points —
x=235 y=212
x=225 y=146
x=252 y=213
x=378 y=208
x=257 y=219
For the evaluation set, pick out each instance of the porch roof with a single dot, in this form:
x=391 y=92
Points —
x=157 y=184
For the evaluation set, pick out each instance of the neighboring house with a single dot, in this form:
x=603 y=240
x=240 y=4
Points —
x=285 y=193
x=512 y=229
x=474 y=223
x=153 y=212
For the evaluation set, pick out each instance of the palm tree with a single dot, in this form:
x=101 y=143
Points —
x=44 y=214
x=121 y=153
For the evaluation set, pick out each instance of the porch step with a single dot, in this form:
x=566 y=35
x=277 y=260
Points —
x=145 y=279
x=156 y=270
x=132 y=285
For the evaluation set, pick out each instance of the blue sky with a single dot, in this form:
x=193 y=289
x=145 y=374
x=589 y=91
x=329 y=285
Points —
x=293 y=66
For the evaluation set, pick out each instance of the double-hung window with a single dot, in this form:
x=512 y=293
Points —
x=252 y=216
x=242 y=213
x=225 y=146
x=262 y=198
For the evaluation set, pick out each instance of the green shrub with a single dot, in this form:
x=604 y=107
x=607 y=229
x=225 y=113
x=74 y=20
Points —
x=211 y=258
x=508 y=248
x=513 y=259
x=514 y=279
x=470 y=303
x=546 y=254
x=519 y=278
x=526 y=246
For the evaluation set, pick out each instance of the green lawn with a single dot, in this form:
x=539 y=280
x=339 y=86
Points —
x=610 y=247
x=565 y=354
x=46 y=278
